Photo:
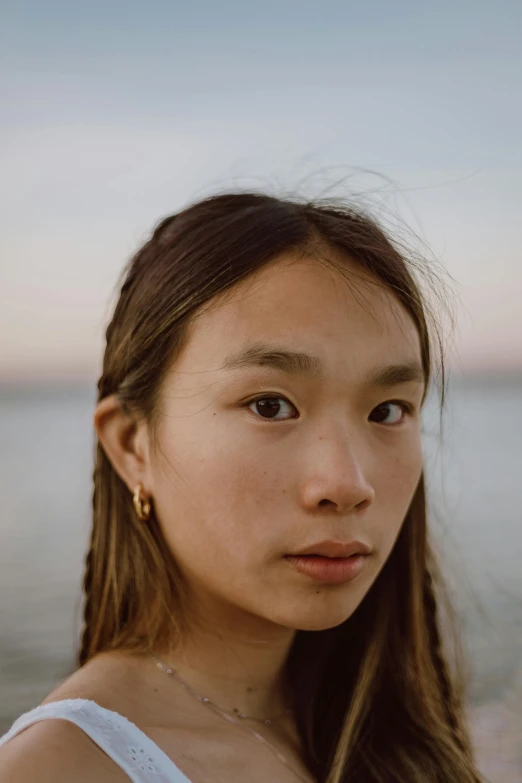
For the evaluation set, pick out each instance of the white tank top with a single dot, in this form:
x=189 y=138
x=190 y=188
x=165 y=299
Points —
x=137 y=755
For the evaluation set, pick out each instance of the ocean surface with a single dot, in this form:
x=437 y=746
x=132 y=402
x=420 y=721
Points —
x=473 y=466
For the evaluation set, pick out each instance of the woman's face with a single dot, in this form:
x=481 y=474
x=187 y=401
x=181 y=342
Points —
x=237 y=485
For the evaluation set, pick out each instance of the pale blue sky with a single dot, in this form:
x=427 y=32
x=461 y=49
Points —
x=116 y=114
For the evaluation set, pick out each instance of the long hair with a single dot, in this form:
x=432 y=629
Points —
x=375 y=698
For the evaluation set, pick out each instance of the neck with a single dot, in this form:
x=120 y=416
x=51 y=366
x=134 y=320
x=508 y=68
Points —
x=239 y=665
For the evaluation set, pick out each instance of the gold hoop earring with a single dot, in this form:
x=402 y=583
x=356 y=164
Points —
x=141 y=505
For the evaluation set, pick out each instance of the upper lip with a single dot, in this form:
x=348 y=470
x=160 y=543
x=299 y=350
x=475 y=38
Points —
x=335 y=549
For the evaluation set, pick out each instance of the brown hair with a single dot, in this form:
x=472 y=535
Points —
x=375 y=699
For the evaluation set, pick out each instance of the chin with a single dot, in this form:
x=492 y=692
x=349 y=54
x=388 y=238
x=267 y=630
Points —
x=326 y=614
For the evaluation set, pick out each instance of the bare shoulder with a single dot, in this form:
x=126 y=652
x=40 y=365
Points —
x=103 y=679
x=119 y=682
x=56 y=751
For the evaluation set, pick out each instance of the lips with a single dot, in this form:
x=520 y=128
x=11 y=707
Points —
x=323 y=557
x=334 y=549
x=328 y=570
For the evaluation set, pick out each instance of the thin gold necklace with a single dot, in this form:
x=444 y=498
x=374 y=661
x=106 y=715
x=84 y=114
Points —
x=224 y=712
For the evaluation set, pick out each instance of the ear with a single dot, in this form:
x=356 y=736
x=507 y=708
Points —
x=125 y=442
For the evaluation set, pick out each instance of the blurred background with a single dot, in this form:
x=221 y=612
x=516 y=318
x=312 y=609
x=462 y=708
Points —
x=116 y=114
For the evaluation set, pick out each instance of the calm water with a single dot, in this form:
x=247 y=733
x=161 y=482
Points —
x=475 y=499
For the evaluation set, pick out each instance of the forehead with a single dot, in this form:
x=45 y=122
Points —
x=349 y=320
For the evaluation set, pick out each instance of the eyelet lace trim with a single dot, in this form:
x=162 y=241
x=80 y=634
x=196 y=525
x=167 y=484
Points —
x=124 y=743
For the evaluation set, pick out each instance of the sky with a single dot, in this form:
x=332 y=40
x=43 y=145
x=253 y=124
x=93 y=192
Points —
x=117 y=114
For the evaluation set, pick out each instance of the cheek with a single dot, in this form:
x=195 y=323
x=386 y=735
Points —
x=401 y=475
x=233 y=477
x=394 y=492
x=212 y=506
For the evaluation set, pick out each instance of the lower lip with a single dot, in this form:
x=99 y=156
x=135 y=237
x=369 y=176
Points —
x=332 y=570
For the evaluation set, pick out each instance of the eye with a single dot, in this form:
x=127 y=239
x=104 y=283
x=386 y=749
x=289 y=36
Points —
x=382 y=411
x=269 y=405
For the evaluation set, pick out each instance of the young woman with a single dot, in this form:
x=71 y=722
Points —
x=259 y=596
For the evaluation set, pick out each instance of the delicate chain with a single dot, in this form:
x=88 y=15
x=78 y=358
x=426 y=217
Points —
x=216 y=708
x=242 y=715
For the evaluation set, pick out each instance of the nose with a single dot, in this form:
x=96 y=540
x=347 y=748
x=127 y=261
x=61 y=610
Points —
x=337 y=477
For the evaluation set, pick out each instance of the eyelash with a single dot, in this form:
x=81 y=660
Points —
x=407 y=408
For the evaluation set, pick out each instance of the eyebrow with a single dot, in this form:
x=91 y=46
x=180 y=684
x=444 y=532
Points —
x=299 y=363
